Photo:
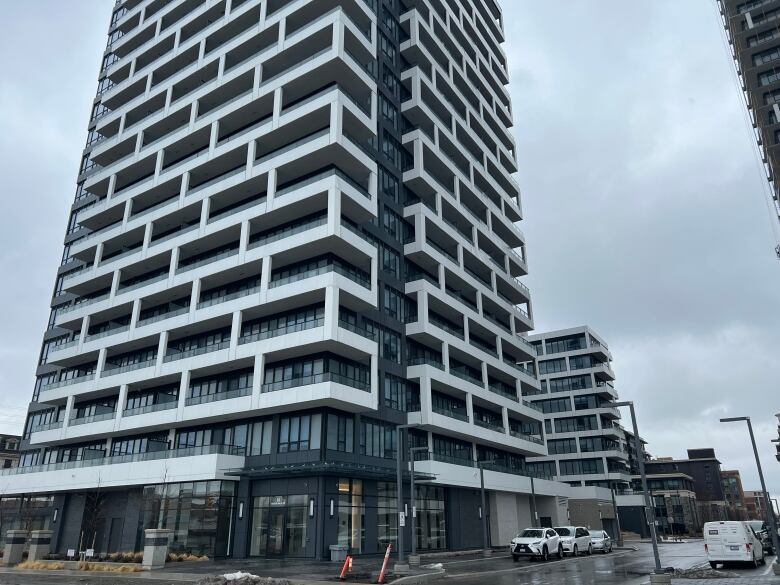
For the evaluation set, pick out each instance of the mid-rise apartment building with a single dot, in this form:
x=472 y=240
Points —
x=585 y=442
x=703 y=468
x=755 y=504
x=9 y=451
x=753 y=33
x=674 y=502
x=294 y=230
x=734 y=494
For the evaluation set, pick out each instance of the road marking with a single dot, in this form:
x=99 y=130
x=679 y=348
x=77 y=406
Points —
x=529 y=568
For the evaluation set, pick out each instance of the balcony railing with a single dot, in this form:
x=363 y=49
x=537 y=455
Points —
x=106 y=333
x=458 y=414
x=142 y=283
x=180 y=355
x=205 y=398
x=463 y=375
x=133 y=458
x=162 y=316
x=69 y=382
x=364 y=282
x=113 y=371
x=499 y=428
x=92 y=418
x=150 y=408
x=287 y=232
x=503 y=391
x=82 y=304
x=355 y=329
x=525 y=437
x=293 y=328
x=57 y=424
x=425 y=361
x=229 y=297
x=208 y=260
x=316 y=379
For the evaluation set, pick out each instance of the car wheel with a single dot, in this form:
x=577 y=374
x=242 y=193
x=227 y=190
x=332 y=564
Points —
x=574 y=551
x=545 y=554
x=590 y=550
x=515 y=558
x=713 y=565
x=560 y=552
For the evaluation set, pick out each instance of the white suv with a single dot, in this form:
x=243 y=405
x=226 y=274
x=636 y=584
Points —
x=537 y=543
x=575 y=539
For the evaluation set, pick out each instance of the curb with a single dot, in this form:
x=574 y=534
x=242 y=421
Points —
x=420 y=579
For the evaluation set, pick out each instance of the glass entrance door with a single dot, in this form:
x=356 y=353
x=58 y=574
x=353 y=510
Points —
x=276 y=518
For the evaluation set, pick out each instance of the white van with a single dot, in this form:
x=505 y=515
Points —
x=732 y=541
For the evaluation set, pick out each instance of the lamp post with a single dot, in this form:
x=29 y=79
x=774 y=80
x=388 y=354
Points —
x=659 y=574
x=769 y=512
x=483 y=508
x=399 y=453
x=412 y=451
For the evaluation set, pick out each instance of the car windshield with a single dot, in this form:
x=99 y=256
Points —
x=563 y=531
x=596 y=533
x=528 y=533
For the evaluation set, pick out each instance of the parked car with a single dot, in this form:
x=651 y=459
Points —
x=732 y=541
x=575 y=539
x=762 y=531
x=537 y=543
x=600 y=541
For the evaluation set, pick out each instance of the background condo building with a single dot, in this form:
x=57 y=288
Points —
x=702 y=468
x=9 y=451
x=753 y=33
x=734 y=494
x=293 y=230
x=585 y=442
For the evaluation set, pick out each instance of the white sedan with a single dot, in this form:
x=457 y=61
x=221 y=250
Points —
x=575 y=539
x=537 y=543
x=601 y=541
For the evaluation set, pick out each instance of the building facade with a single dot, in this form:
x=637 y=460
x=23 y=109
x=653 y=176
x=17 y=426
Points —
x=633 y=457
x=703 y=468
x=294 y=230
x=586 y=444
x=753 y=33
x=674 y=502
x=755 y=505
x=734 y=494
x=9 y=451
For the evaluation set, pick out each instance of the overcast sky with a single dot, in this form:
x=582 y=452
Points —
x=644 y=209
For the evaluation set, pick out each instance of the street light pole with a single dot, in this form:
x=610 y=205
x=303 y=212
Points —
x=399 y=453
x=617 y=518
x=769 y=512
x=648 y=500
x=534 y=515
x=483 y=509
x=412 y=451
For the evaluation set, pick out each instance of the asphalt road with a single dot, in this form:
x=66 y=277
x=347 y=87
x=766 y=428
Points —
x=619 y=567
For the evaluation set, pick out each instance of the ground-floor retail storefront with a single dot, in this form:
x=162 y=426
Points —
x=295 y=516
